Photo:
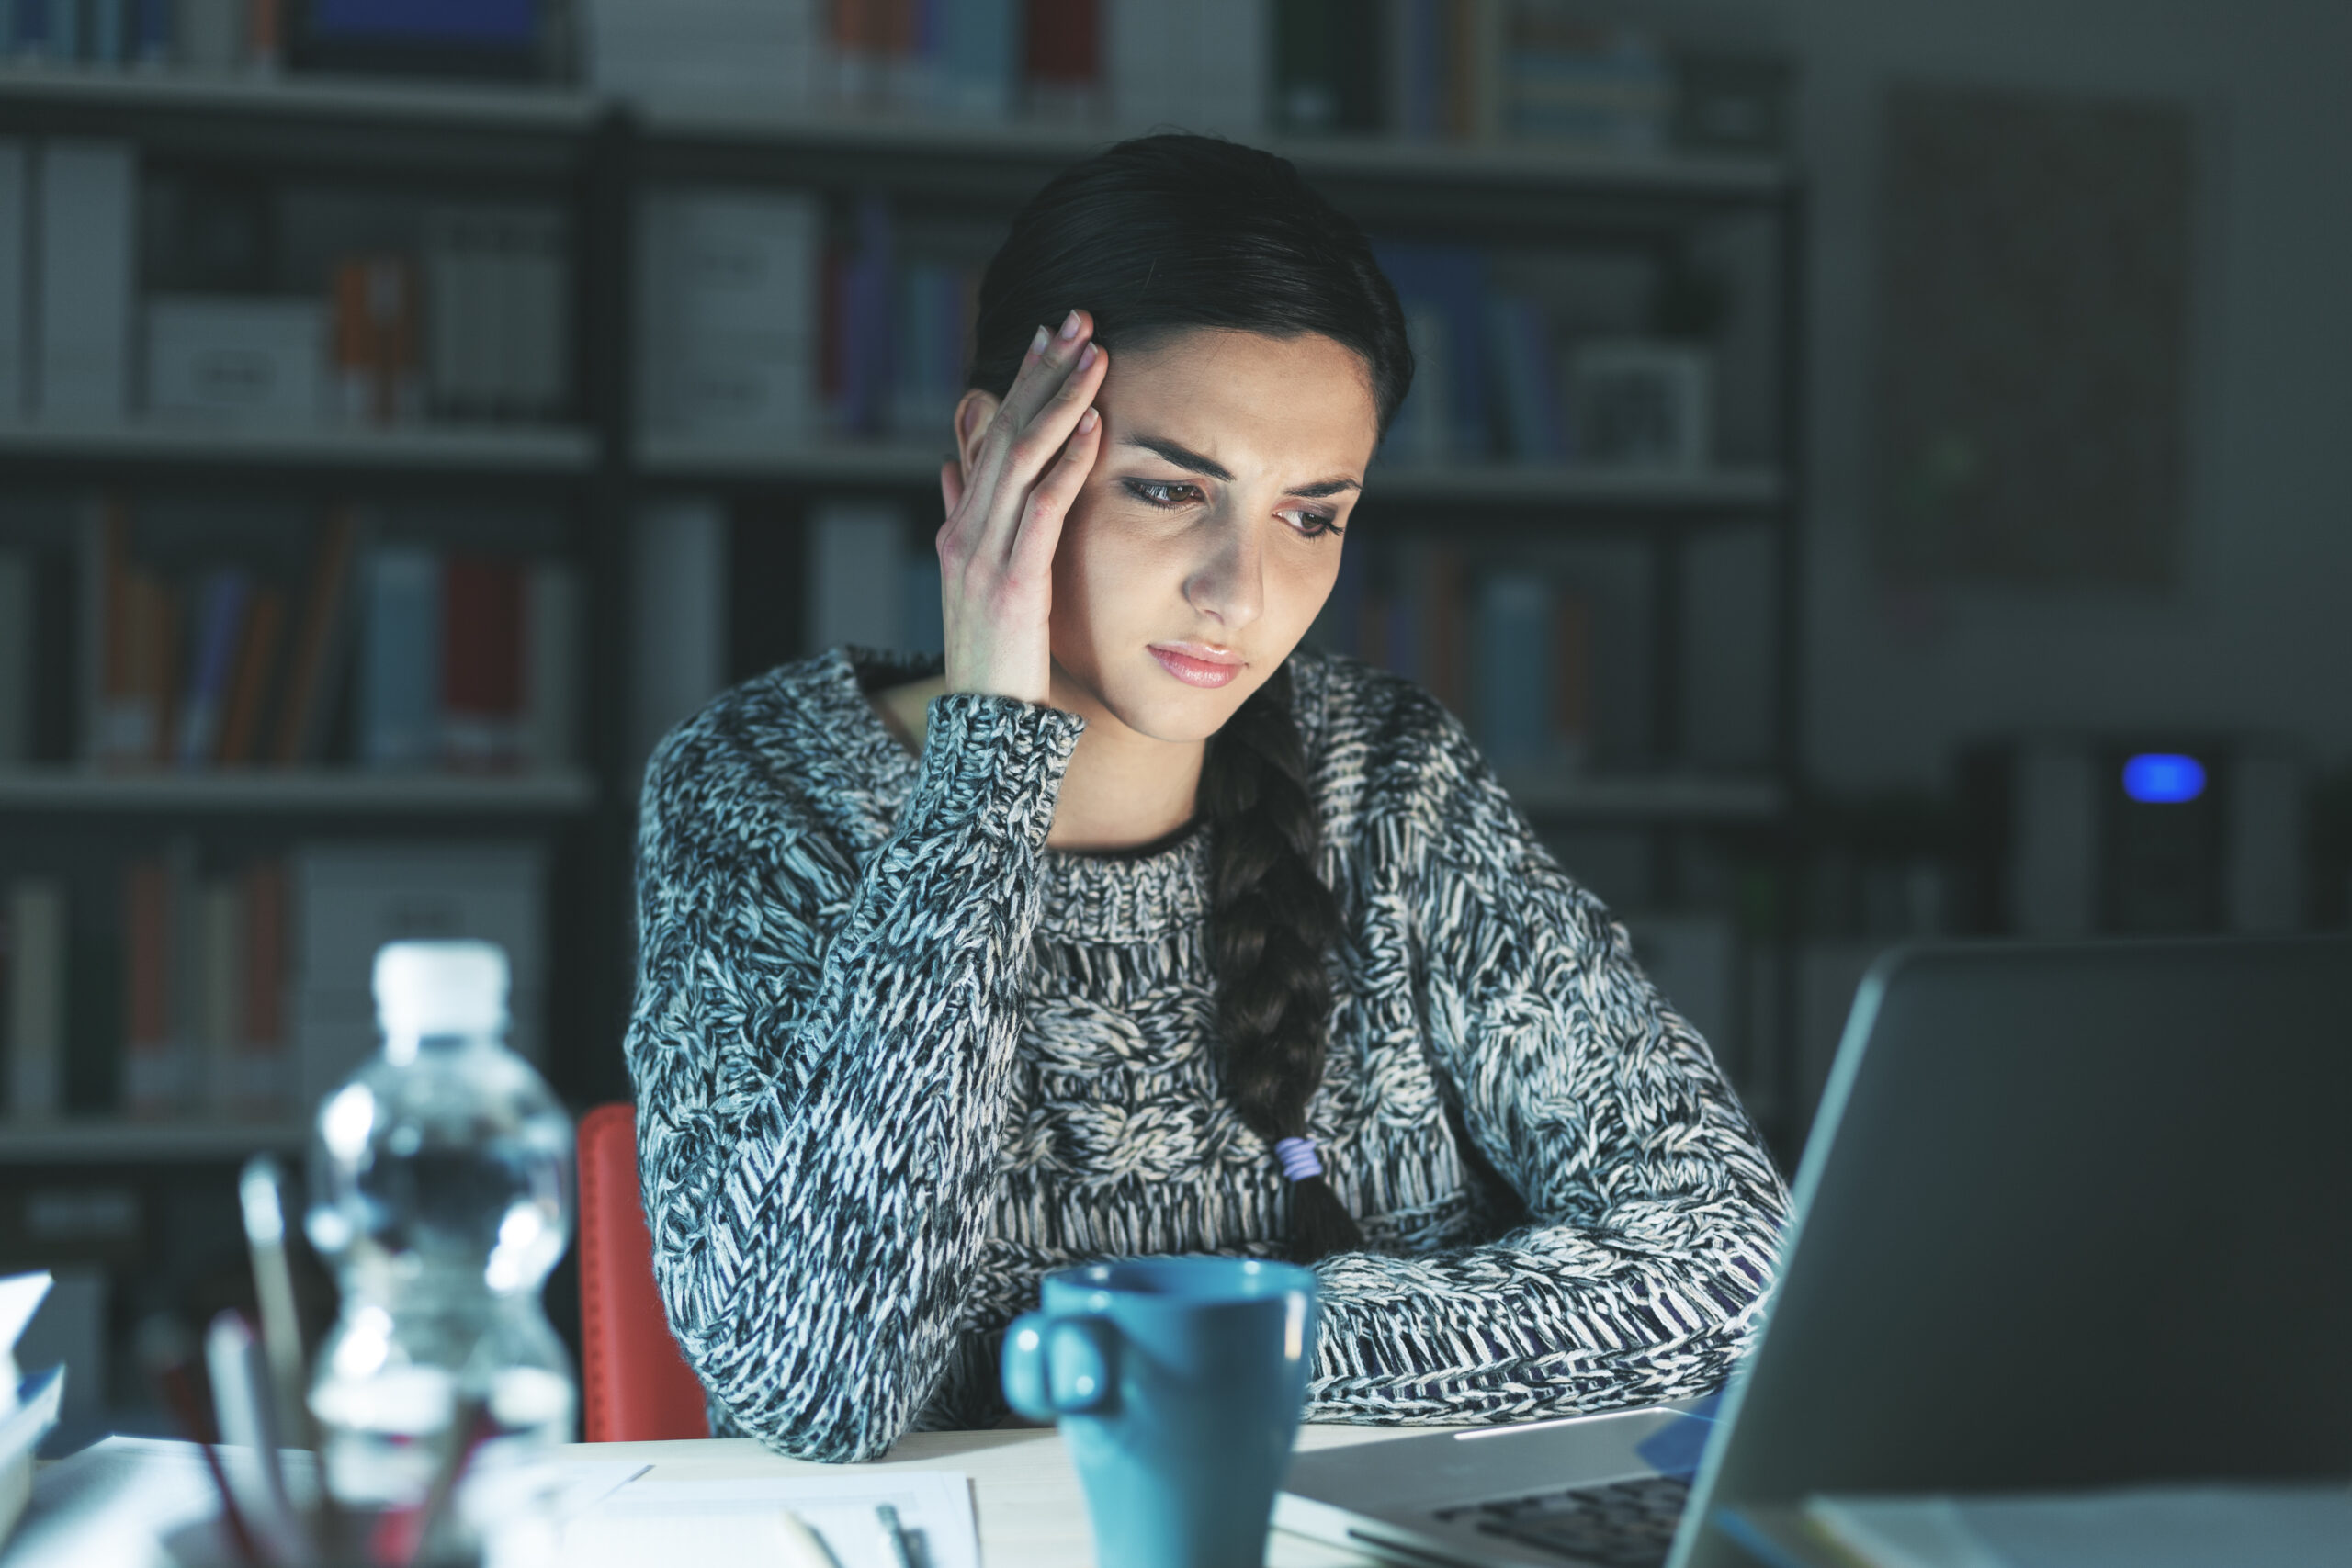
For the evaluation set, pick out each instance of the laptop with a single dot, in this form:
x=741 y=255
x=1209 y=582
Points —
x=2070 y=1217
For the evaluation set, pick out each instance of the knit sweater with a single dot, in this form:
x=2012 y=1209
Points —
x=895 y=1059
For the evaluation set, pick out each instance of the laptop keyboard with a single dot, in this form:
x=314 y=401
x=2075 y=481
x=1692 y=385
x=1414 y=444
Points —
x=1625 y=1524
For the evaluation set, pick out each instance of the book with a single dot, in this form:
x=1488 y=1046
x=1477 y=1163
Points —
x=1326 y=67
x=232 y=359
x=729 y=287
x=1519 y=341
x=321 y=643
x=551 y=660
x=134 y=640
x=85 y=231
x=1567 y=78
x=220 y=627
x=688 y=48
x=18 y=630
x=375 y=329
x=858 y=592
x=1444 y=289
x=1203 y=66
x=480 y=663
x=249 y=684
x=980 y=56
x=868 y=341
x=153 y=1049
x=35 y=1020
x=399 y=657
x=1062 y=58
x=16 y=269
x=258 y=1080
x=348 y=899
x=210 y=34
x=217 y=961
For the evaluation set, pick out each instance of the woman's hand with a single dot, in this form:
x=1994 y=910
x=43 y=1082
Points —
x=996 y=549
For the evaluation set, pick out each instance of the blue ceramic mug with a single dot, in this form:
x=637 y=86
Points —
x=1178 y=1383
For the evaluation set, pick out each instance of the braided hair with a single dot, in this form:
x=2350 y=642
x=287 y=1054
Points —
x=1155 y=236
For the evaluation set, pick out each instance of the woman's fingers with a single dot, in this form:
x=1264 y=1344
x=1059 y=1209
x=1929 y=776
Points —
x=1046 y=371
x=1049 y=502
x=1046 y=364
x=1032 y=453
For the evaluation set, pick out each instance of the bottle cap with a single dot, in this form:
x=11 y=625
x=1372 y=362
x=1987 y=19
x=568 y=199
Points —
x=440 y=987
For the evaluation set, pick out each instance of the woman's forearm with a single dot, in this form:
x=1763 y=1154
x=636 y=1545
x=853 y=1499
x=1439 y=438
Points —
x=820 y=1087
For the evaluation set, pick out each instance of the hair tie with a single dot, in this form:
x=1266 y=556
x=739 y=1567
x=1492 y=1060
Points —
x=1297 y=1156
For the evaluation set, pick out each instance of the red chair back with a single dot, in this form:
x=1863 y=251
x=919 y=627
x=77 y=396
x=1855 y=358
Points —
x=635 y=1384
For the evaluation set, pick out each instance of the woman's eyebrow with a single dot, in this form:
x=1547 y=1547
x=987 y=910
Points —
x=1209 y=468
x=1183 y=456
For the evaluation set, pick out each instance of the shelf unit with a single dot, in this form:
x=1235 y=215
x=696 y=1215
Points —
x=597 y=156
x=308 y=792
x=550 y=452
x=105 y=1143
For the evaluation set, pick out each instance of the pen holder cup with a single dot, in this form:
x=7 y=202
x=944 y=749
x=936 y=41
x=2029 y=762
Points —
x=1178 y=1383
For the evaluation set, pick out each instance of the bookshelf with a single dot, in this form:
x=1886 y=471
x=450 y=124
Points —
x=545 y=452
x=110 y=1143
x=309 y=792
x=594 y=470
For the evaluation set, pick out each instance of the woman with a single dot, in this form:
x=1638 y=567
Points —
x=1129 y=928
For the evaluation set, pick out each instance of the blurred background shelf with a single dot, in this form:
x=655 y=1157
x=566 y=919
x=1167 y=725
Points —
x=1696 y=798
x=548 y=451
x=722 y=121
x=688 y=461
x=508 y=107
x=304 y=791
x=113 y=1141
x=1567 y=486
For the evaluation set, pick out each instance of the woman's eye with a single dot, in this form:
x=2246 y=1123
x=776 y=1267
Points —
x=1311 y=525
x=1162 y=492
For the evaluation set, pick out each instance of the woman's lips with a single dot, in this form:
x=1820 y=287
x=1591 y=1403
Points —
x=1197 y=665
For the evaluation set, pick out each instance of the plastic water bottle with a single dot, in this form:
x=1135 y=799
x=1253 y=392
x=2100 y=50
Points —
x=440 y=1186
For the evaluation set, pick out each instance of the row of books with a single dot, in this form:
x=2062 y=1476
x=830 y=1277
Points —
x=187 y=990
x=473 y=326
x=757 y=321
x=458 y=37
x=1539 y=70
x=1498 y=374
x=1510 y=650
x=390 y=654
x=761 y=321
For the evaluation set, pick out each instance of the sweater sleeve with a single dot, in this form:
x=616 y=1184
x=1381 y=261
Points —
x=820 y=1051
x=1656 y=1210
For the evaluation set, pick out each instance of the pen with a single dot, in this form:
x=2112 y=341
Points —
x=181 y=1396
x=259 y=1193
x=894 y=1536
x=247 y=1418
x=803 y=1548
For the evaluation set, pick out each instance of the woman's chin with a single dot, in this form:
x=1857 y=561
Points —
x=1162 y=709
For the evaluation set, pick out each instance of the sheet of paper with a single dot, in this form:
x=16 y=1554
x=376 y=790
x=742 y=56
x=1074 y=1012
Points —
x=732 y=1524
x=115 y=1501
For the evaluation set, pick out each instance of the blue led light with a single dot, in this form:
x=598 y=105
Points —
x=2164 y=778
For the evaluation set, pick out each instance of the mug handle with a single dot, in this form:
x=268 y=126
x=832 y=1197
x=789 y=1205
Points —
x=1060 y=1366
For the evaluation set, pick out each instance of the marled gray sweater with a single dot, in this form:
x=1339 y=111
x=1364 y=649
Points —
x=894 y=1059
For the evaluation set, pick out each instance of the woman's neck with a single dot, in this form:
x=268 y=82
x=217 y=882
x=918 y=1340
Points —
x=1124 y=789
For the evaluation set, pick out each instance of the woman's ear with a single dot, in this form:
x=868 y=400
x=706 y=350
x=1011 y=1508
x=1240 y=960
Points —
x=973 y=412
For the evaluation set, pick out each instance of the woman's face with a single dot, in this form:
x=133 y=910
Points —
x=1207 y=536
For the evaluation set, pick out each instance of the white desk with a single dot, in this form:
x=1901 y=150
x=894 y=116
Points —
x=1032 y=1512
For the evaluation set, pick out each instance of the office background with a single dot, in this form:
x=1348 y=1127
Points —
x=1875 y=474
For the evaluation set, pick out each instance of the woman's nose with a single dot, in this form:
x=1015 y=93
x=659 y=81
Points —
x=1229 y=582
